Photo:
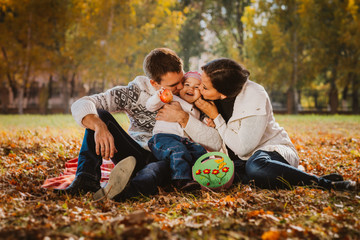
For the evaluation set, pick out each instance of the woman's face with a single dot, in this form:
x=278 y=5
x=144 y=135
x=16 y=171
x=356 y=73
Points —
x=207 y=90
x=190 y=92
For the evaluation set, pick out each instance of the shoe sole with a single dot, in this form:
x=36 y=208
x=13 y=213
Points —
x=118 y=179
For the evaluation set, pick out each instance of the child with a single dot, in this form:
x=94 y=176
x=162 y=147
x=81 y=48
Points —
x=170 y=142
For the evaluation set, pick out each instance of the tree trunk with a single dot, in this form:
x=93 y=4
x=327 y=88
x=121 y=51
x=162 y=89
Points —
x=292 y=107
x=355 y=95
x=333 y=93
x=316 y=104
x=49 y=94
x=186 y=60
x=333 y=99
x=10 y=77
x=66 y=93
x=72 y=85
x=26 y=73
x=20 y=98
x=344 y=94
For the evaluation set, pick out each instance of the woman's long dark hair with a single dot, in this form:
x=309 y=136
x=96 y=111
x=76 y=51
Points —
x=227 y=76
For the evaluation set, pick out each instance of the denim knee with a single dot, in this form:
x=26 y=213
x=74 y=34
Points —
x=255 y=164
x=153 y=175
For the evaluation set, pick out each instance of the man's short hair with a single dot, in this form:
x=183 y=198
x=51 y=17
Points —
x=161 y=61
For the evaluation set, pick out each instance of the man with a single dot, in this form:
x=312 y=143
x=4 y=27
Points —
x=104 y=137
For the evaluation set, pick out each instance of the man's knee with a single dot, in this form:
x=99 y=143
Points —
x=103 y=114
x=152 y=175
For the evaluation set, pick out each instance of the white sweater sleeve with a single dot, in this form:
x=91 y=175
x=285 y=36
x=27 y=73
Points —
x=154 y=103
x=247 y=138
x=207 y=136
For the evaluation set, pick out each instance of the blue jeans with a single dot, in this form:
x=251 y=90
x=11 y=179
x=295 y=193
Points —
x=148 y=173
x=179 y=152
x=270 y=170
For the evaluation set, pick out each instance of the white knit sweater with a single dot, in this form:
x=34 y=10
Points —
x=252 y=126
x=132 y=99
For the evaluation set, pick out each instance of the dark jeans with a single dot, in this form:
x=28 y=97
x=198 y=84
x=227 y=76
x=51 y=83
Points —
x=179 y=152
x=148 y=173
x=270 y=170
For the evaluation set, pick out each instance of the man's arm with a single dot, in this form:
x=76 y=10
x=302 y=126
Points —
x=104 y=141
x=85 y=113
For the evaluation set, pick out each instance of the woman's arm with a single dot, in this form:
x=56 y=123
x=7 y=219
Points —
x=198 y=131
x=247 y=138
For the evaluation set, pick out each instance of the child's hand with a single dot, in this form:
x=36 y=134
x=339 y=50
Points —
x=165 y=95
x=209 y=122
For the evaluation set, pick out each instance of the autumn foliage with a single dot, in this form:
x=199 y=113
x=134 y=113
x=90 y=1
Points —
x=29 y=155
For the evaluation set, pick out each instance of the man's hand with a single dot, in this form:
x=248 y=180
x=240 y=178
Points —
x=173 y=112
x=104 y=141
x=209 y=108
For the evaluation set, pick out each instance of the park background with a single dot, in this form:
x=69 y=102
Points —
x=304 y=52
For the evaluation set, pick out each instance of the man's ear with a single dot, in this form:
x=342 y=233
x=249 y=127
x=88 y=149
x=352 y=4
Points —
x=153 y=83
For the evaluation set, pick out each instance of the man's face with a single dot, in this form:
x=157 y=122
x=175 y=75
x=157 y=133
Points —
x=172 y=81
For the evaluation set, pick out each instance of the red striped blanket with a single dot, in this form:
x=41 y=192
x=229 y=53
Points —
x=65 y=179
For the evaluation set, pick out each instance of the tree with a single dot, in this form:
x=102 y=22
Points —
x=21 y=27
x=275 y=44
x=350 y=39
x=120 y=34
x=99 y=41
x=190 y=39
x=333 y=30
x=225 y=19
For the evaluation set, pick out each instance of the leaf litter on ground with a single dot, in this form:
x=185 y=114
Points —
x=29 y=155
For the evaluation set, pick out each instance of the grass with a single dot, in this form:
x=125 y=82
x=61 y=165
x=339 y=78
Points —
x=49 y=124
x=67 y=121
x=56 y=121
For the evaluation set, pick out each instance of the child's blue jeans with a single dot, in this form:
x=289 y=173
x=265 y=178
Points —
x=179 y=152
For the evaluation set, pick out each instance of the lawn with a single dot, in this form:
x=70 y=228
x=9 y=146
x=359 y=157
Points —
x=34 y=147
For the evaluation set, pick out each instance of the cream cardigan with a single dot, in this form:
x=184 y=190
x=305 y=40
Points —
x=252 y=126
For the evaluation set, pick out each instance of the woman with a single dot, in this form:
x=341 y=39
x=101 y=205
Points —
x=242 y=113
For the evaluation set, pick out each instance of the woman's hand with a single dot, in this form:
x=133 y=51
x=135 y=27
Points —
x=173 y=112
x=208 y=108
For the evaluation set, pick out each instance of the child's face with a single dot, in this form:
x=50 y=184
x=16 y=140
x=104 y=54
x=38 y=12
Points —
x=190 y=92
